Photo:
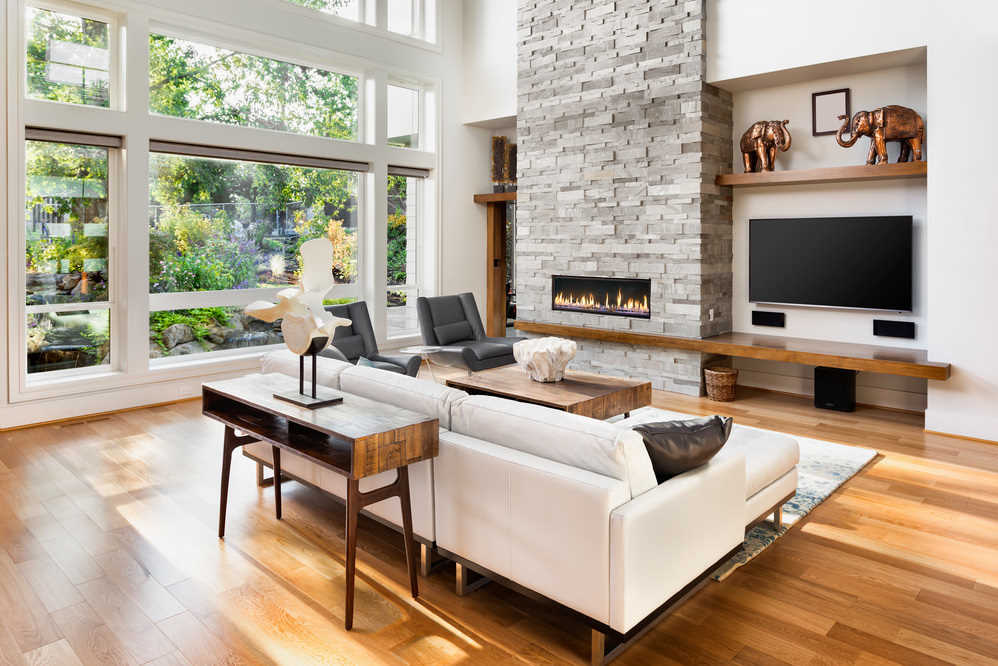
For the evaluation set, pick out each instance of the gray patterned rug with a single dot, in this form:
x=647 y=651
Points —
x=823 y=467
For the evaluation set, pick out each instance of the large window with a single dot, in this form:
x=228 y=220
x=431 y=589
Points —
x=191 y=80
x=66 y=257
x=149 y=224
x=68 y=58
x=227 y=225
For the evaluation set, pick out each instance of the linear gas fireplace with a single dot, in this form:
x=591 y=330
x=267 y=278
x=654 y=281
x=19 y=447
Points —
x=626 y=297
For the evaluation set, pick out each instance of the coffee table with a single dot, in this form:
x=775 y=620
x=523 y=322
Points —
x=355 y=438
x=588 y=394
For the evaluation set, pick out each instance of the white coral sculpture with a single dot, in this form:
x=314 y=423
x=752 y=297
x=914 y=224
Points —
x=304 y=317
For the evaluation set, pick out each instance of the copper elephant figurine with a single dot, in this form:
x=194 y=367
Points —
x=760 y=141
x=888 y=123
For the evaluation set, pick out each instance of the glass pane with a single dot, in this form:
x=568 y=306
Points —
x=403 y=117
x=202 y=330
x=68 y=58
x=348 y=9
x=66 y=223
x=227 y=224
x=189 y=80
x=402 y=254
x=400 y=17
x=64 y=340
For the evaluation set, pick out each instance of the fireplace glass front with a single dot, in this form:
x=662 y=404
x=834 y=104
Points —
x=625 y=297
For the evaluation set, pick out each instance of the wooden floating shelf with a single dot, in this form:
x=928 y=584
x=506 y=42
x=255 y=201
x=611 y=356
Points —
x=495 y=197
x=849 y=356
x=825 y=175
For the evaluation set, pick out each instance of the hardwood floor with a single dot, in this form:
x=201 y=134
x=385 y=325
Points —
x=108 y=555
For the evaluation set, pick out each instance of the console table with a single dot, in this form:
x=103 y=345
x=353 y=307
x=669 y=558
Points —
x=355 y=438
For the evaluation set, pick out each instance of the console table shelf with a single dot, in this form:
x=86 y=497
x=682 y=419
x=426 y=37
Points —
x=840 y=174
x=846 y=355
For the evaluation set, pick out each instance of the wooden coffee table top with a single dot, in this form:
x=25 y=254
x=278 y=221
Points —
x=583 y=393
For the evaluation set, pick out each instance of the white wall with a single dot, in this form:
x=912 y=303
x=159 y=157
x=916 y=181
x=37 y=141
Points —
x=489 y=61
x=900 y=85
x=962 y=86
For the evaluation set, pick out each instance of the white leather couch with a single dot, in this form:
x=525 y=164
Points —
x=561 y=504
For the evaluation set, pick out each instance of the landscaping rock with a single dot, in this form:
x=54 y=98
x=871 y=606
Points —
x=177 y=334
x=68 y=281
x=217 y=334
x=187 y=348
x=155 y=351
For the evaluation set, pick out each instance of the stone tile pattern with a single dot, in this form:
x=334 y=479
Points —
x=619 y=140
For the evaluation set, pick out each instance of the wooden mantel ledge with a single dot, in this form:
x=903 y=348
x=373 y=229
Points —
x=902 y=361
x=495 y=197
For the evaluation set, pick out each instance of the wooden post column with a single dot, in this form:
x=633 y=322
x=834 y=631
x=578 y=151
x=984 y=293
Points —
x=495 y=303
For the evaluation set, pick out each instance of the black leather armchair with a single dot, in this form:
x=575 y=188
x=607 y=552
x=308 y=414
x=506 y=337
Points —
x=350 y=343
x=453 y=321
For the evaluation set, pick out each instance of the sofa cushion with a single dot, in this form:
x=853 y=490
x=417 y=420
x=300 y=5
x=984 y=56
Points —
x=419 y=395
x=486 y=350
x=768 y=455
x=571 y=439
x=452 y=332
x=679 y=446
x=286 y=362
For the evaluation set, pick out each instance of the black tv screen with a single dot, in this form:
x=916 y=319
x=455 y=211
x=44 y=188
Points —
x=844 y=262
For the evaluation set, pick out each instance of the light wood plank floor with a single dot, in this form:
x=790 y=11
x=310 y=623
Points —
x=108 y=555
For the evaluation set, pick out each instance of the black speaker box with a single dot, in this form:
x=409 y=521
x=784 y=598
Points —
x=765 y=318
x=894 y=329
x=835 y=388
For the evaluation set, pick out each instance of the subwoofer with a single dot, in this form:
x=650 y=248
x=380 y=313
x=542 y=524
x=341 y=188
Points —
x=835 y=388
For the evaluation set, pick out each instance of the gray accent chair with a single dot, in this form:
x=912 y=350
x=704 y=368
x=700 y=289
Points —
x=350 y=343
x=453 y=321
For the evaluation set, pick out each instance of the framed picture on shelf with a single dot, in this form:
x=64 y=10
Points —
x=826 y=107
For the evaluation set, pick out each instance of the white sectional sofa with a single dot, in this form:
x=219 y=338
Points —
x=559 y=504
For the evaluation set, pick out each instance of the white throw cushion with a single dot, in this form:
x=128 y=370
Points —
x=285 y=362
x=571 y=439
x=419 y=395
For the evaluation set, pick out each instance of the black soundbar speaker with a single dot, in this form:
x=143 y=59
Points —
x=835 y=388
x=894 y=329
x=764 y=318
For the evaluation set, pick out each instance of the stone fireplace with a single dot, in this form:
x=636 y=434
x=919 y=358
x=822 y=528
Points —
x=624 y=297
x=619 y=140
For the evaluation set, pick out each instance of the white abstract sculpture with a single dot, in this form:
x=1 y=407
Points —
x=304 y=317
x=545 y=359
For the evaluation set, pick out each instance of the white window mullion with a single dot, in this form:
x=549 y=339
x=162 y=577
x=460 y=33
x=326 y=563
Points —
x=134 y=303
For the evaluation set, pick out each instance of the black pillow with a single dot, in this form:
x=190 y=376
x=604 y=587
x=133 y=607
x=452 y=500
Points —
x=679 y=446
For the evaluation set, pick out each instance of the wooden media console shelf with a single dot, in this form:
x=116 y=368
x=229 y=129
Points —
x=849 y=356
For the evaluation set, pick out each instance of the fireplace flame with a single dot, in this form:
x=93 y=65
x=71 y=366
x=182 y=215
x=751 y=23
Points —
x=588 y=302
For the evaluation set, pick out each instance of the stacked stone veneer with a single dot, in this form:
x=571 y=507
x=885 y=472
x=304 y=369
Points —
x=619 y=140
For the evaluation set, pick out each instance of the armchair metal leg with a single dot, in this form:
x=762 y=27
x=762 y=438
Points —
x=778 y=517
x=463 y=583
x=425 y=560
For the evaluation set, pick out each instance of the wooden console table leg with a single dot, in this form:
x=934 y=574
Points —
x=353 y=508
x=277 y=479
x=228 y=446
x=410 y=550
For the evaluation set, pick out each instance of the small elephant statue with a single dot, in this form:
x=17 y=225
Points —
x=888 y=123
x=760 y=141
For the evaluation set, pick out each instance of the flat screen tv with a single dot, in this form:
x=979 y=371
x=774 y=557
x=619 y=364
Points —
x=840 y=262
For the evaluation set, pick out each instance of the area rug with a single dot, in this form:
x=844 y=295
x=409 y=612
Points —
x=823 y=467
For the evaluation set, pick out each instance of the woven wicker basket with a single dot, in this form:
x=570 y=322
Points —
x=720 y=383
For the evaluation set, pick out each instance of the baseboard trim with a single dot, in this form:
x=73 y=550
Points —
x=97 y=415
x=963 y=437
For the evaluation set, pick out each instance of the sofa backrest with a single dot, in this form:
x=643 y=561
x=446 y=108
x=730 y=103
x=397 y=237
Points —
x=419 y=395
x=579 y=441
x=286 y=362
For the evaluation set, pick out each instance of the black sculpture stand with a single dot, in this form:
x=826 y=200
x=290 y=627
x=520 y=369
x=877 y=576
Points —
x=321 y=396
